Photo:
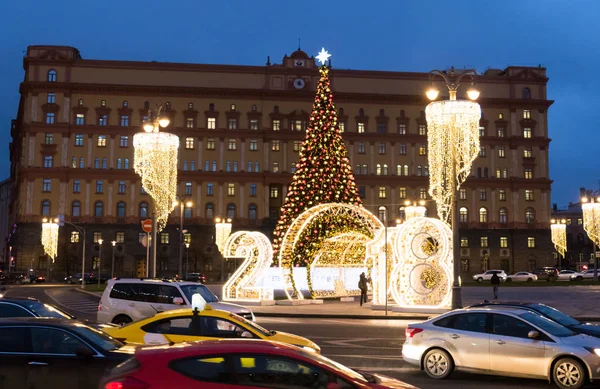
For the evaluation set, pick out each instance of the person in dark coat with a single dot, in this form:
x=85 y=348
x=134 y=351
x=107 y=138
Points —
x=364 y=288
x=495 y=284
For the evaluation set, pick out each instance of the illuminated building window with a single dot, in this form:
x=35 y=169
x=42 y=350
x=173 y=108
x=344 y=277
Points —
x=503 y=215
x=274 y=192
x=483 y=241
x=230 y=189
x=529 y=195
x=103 y=120
x=342 y=126
x=530 y=215
x=500 y=132
x=254 y=124
x=74 y=237
x=101 y=141
x=481 y=131
x=483 y=215
x=402 y=192
x=164 y=238
x=253 y=146
x=501 y=152
x=80 y=119
x=276 y=125
x=211 y=123
x=503 y=242
x=422 y=129
x=120 y=237
x=528 y=173
x=360 y=147
x=360 y=127
x=275 y=167
x=382 y=192
x=463 y=215
x=210 y=144
x=422 y=193
x=189 y=123
x=297 y=145
x=527 y=132
x=422 y=149
x=189 y=143
x=97 y=236
x=526 y=114
x=527 y=152
x=402 y=129
x=124 y=141
x=464 y=241
x=232 y=145
x=531 y=242
x=275 y=145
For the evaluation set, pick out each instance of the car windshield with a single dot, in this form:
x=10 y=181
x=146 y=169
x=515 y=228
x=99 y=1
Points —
x=207 y=295
x=333 y=365
x=554 y=314
x=547 y=325
x=45 y=310
x=99 y=338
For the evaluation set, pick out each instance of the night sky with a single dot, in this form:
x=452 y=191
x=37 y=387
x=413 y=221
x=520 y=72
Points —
x=377 y=35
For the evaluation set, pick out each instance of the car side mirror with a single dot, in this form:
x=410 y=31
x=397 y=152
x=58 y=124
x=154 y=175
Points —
x=177 y=300
x=333 y=385
x=246 y=334
x=84 y=352
x=533 y=335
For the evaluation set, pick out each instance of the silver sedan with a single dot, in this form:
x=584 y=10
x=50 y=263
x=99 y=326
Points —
x=502 y=341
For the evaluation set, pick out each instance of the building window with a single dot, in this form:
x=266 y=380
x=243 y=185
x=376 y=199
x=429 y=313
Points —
x=297 y=145
x=99 y=209
x=361 y=147
x=365 y=169
x=529 y=173
x=274 y=192
x=232 y=124
x=48 y=161
x=164 y=238
x=188 y=188
x=526 y=114
x=422 y=149
x=501 y=152
x=253 y=145
x=382 y=148
x=124 y=141
x=402 y=129
x=503 y=216
x=419 y=170
x=230 y=211
x=483 y=241
x=124 y=121
x=382 y=192
x=462 y=194
x=276 y=125
x=275 y=167
x=76 y=186
x=423 y=194
x=381 y=128
x=529 y=195
x=49 y=139
x=579 y=221
x=482 y=151
x=51 y=98
x=81 y=163
x=342 y=126
x=209 y=189
x=103 y=120
x=143 y=211
x=121 y=209
x=189 y=143
x=254 y=124
x=209 y=211
x=252 y=212
x=232 y=145
x=80 y=119
x=120 y=237
x=189 y=123
x=500 y=132
x=99 y=186
x=464 y=241
x=526 y=93
x=187 y=212
x=49 y=118
x=52 y=75
x=382 y=213
x=422 y=129
x=122 y=187
x=531 y=242
x=103 y=103
x=74 y=162
x=275 y=145
x=97 y=236
x=362 y=192
x=252 y=190
x=402 y=148
x=503 y=242
x=210 y=144
x=463 y=215
x=211 y=123
x=483 y=215
x=402 y=192
x=46 y=187
x=527 y=152
x=529 y=215
x=464 y=265
x=74 y=237
x=361 y=128
x=527 y=132
x=101 y=141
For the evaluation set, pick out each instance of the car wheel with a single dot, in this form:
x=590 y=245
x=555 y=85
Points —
x=121 y=320
x=480 y=280
x=568 y=373
x=69 y=282
x=438 y=364
x=530 y=279
x=579 y=278
x=509 y=280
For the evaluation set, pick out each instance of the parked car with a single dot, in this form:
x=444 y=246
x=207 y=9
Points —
x=586 y=275
x=90 y=278
x=239 y=363
x=522 y=276
x=196 y=277
x=10 y=278
x=547 y=273
x=551 y=313
x=127 y=299
x=39 y=353
x=565 y=275
x=21 y=278
x=503 y=341
x=488 y=275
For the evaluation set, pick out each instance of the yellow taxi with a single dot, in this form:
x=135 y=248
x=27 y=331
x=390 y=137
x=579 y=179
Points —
x=200 y=322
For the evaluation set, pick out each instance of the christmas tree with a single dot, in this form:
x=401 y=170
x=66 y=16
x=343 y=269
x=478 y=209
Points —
x=323 y=172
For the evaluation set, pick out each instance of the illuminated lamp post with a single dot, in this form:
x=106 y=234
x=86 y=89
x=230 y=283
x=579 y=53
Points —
x=187 y=259
x=590 y=207
x=100 y=261
x=112 y=268
x=155 y=161
x=182 y=205
x=50 y=241
x=558 y=229
x=222 y=232
x=453 y=145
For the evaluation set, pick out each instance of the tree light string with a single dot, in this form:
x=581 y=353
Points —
x=559 y=237
x=155 y=160
x=222 y=232
x=453 y=142
x=50 y=239
x=591 y=220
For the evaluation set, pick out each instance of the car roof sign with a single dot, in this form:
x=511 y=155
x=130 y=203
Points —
x=198 y=303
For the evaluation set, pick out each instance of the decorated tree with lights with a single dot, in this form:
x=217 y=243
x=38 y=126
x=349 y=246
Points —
x=323 y=174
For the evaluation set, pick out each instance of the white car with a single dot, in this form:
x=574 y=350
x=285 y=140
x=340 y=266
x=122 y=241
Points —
x=565 y=275
x=128 y=299
x=488 y=275
x=522 y=276
x=586 y=275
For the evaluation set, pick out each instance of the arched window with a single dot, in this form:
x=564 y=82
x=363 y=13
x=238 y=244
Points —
x=46 y=208
x=381 y=112
x=526 y=93
x=361 y=112
x=52 y=75
x=119 y=163
x=231 y=211
x=76 y=209
x=96 y=163
x=483 y=215
x=276 y=109
x=530 y=215
x=382 y=213
x=120 y=209
x=252 y=211
x=143 y=209
x=378 y=169
x=146 y=105
x=275 y=167
x=401 y=213
x=478 y=172
x=209 y=211
x=503 y=215
x=485 y=172
x=125 y=104
x=126 y=166
x=385 y=169
x=463 y=215
x=99 y=209
x=187 y=212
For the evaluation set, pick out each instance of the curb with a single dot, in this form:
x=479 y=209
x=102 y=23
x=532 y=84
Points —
x=88 y=292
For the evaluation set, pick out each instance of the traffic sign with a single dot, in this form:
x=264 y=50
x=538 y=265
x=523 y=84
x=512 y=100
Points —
x=147 y=225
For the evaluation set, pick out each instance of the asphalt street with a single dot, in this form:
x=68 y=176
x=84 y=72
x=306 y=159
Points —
x=371 y=345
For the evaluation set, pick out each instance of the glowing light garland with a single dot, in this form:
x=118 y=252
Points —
x=155 y=160
x=559 y=237
x=591 y=220
x=222 y=232
x=336 y=223
x=257 y=252
x=453 y=142
x=412 y=211
x=50 y=239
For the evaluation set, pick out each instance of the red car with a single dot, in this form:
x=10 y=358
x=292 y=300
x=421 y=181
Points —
x=238 y=364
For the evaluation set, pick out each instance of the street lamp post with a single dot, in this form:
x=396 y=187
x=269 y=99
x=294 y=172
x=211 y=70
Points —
x=81 y=230
x=590 y=207
x=187 y=259
x=558 y=229
x=100 y=261
x=222 y=232
x=453 y=145
x=112 y=268
x=182 y=205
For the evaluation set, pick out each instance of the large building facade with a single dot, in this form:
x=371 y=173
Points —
x=241 y=128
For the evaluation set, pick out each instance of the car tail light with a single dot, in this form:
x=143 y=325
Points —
x=410 y=331
x=99 y=307
x=126 y=383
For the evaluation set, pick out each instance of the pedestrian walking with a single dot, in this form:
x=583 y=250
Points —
x=495 y=284
x=363 y=286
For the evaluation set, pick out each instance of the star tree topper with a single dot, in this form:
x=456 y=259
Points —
x=323 y=56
